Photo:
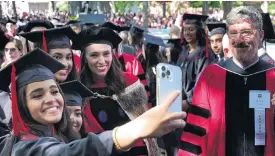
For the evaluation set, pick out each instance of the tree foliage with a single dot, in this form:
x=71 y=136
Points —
x=271 y=8
x=237 y=3
x=121 y=5
x=199 y=4
x=63 y=6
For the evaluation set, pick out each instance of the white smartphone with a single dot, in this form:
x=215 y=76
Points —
x=169 y=79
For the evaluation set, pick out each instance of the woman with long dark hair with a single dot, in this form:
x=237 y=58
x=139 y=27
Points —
x=101 y=73
x=195 y=55
x=57 y=43
x=40 y=122
x=149 y=59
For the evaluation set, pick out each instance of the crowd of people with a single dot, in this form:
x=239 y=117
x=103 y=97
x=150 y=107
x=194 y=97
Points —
x=90 y=88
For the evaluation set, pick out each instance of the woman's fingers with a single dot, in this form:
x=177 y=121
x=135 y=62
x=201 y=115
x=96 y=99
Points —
x=170 y=99
x=176 y=116
x=174 y=124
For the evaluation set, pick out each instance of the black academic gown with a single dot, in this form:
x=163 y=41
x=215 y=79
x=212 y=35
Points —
x=192 y=64
x=223 y=123
x=92 y=145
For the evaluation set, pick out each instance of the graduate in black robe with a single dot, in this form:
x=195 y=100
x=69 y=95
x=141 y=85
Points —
x=149 y=60
x=175 y=48
x=196 y=55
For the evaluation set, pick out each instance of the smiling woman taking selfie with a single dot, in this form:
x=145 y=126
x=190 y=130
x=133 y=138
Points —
x=40 y=122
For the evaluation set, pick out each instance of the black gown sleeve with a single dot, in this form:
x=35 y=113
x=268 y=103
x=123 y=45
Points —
x=92 y=145
x=201 y=63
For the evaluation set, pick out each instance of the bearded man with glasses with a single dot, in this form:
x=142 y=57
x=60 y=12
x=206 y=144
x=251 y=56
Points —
x=230 y=113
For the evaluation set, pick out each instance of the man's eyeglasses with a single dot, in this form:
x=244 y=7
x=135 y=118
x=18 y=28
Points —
x=244 y=33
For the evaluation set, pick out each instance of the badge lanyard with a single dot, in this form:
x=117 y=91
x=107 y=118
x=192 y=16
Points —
x=259 y=100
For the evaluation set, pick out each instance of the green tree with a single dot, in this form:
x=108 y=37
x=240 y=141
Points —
x=121 y=5
x=237 y=3
x=196 y=4
x=214 y=4
x=271 y=8
x=63 y=6
x=199 y=4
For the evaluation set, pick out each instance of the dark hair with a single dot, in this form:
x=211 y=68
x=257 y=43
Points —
x=63 y=128
x=114 y=78
x=152 y=56
x=136 y=40
x=73 y=74
x=200 y=32
x=83 y=133
x=174 y=53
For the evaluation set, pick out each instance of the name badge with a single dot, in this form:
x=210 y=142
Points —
x=259 y=100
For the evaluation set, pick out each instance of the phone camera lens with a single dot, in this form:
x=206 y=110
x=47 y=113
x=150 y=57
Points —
x=163 y=75
x=163 y=68
x=168 y=72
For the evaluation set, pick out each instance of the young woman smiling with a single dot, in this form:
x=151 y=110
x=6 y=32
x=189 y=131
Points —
x=57 y=43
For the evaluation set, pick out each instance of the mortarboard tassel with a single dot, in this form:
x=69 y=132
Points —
x=17 y=122
x=44 y=42
x=206 y=44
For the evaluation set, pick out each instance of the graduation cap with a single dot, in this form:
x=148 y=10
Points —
x=268 y=27
x=91 y=18
x=20 y=29
x=3 y=39
x=38 y=23
x=153 y=40
x=87 y=25
x=174 y=42
x=200 y=18
x=96 y=34
x=35 y=66
x=115 y=27
x=216 y=28
x=52 y=38
x=137 y=30
x=75 y=92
